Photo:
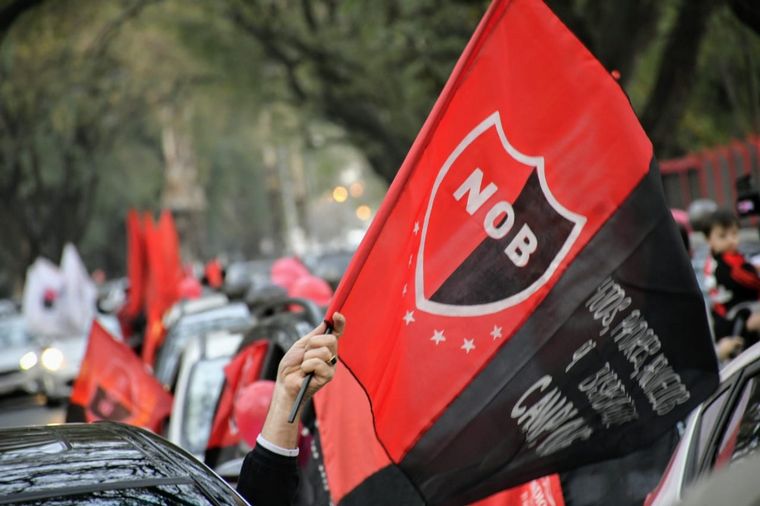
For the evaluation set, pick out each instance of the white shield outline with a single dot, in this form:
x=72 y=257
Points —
x=494 y=120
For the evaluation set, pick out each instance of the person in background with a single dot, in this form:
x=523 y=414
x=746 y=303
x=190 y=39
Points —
x=269 y=475
x=733 y=283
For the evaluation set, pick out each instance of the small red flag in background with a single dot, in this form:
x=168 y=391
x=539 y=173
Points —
x=137 y=270
x=522 y=303
x=113 y=384
x=164 y=278
x=242 y=371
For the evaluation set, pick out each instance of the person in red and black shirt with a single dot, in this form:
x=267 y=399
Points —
x=732 y=280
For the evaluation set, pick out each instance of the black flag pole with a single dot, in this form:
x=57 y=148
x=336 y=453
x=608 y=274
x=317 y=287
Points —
x=305 y=385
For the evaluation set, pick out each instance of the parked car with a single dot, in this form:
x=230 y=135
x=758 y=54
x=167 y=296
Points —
x=281 y=322
x=8 y=308
x=103 y=463
x=734 y=486
x=60 y=358
x=18 y=358
x=191 y=306
x=723 y=430
x=232 y=317
x=330 y=266
x=240 y=276
x=199 y=383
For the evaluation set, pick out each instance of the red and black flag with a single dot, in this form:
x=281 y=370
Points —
x=523 y=303
x=113 y=384
x=224 y=440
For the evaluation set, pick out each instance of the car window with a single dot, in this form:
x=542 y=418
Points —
x=204 y=387
x=158 y=495
x=710 y=415
x=741 y=435
x=12 y=333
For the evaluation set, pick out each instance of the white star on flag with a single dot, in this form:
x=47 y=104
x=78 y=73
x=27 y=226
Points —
x=468 y=345
x=437 y=337
x=496 y=332
x=416 y=227
x=403 y=291
x=409 y=317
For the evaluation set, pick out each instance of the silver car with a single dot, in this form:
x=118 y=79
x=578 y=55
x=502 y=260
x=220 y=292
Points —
x=723 y=430
x=199 y=384
x=234 y=317
x=19 y=356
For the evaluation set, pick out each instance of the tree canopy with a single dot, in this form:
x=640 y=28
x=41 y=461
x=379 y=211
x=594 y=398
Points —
x=270 y=97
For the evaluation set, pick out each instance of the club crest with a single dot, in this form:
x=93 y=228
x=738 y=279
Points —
x=493 y=232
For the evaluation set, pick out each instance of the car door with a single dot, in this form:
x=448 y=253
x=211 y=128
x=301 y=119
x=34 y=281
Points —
x=738 y=434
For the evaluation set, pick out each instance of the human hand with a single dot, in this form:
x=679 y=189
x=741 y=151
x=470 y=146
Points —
x=311 y=353
x=729 y=347
x=753 y=322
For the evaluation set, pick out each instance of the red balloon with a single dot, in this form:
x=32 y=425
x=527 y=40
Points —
x=312 y=288
x=285 y=271
x=190 y=288
x=250 y=409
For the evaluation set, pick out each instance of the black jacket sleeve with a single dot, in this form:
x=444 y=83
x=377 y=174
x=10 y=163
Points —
x=268 y=479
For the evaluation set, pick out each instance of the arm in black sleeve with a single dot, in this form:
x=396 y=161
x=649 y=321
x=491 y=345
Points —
x=268 y=479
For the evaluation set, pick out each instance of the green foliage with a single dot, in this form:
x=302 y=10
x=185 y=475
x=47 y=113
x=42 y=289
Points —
x=266 y=90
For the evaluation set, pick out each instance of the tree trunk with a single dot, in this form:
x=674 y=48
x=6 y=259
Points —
x=668 y=100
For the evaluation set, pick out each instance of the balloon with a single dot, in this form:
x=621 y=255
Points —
x=250 y=409
x=285 y=271
x=312 y=288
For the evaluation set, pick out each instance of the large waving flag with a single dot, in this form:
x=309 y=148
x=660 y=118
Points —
x=522 y=303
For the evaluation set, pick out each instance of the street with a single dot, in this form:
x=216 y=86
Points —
x=23 y=409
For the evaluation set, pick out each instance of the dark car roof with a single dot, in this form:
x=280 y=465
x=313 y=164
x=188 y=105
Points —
x=38 y=463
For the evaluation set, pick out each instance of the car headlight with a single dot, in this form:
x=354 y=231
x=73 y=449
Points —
x=27 y=361
x=52 y=359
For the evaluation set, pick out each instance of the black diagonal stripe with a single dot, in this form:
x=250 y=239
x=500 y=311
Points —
x=117 y=412
x=383 y=488
x=488 y=275
x=475 y=448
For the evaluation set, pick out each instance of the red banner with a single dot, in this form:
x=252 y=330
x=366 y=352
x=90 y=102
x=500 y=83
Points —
x=113 y=384
x=242 y=371
x=164 y=278
x=137 y=267
x=509 y=313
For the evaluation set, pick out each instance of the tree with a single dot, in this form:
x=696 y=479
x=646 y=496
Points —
x=376 y=67
x=63 y=106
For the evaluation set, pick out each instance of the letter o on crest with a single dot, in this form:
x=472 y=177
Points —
x=492 y=218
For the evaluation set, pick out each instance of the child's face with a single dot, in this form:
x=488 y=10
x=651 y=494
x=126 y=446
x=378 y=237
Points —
x=723 y=239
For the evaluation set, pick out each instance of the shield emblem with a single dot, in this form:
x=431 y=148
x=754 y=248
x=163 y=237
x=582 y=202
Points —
x=493 y=232
x=106 y=407
x=113 y=397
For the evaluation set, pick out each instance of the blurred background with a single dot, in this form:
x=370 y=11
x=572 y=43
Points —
x=273 y=127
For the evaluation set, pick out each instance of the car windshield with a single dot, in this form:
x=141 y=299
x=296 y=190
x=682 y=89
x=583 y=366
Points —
x=12 y=333
x=204 y=386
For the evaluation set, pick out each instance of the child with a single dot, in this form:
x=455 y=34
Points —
x=731 y=279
